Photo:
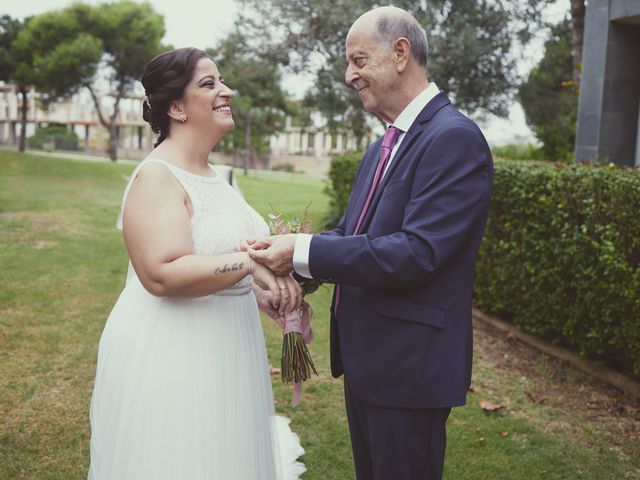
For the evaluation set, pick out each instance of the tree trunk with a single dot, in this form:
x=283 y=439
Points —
x=577 y=24
x=113 y=141
x=111 y=125
x=247 y=142
x=22 y=144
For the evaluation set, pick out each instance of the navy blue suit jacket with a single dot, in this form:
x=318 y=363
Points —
x=403 y=334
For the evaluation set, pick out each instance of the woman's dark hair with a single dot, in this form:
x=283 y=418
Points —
x=164 y=80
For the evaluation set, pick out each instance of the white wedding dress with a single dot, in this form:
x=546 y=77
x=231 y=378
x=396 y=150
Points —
x=182 y=388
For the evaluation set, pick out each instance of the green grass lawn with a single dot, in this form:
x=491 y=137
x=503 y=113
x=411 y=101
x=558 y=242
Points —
x=62 y=265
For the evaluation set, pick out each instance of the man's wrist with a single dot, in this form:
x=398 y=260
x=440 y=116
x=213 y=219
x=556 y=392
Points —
x=301 y=254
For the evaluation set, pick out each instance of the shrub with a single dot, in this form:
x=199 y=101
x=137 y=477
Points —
x=284 y=167
x=56 y=137
x=518 y=151
x=561 y=256
x=342 y=174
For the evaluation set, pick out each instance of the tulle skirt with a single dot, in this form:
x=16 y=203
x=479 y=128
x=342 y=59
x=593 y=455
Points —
x=182 y=391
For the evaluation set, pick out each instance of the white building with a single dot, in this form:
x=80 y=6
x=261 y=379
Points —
x=308 y=149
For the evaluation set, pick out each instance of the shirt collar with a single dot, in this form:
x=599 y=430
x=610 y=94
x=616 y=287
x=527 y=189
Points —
x=411 y=111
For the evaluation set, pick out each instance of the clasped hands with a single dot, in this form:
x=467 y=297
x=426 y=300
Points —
x=272 y=257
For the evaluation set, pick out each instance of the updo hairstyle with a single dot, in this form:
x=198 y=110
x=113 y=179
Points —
x=164 y=80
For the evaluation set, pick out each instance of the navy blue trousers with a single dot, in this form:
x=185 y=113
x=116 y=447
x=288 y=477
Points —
x=396 y=443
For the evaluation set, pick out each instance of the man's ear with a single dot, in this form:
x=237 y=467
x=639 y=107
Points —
x=176 y=110
x=401 y=53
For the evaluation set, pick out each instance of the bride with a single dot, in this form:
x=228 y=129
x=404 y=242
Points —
x=182 y=388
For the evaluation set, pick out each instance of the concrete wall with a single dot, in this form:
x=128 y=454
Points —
x=609 y=106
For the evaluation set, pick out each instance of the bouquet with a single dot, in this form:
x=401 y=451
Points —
x=296 y=361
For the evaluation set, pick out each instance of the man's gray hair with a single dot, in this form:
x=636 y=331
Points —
x=391 y=27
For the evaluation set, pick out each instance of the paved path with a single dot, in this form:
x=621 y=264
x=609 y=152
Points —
x=71 y=155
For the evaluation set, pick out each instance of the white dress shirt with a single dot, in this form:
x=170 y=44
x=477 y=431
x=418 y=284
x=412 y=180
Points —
x=403 y=122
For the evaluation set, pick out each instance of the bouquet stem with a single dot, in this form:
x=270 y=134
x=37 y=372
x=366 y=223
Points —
x=296 y=363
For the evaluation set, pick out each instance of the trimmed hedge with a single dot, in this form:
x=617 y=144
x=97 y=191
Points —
x=561 y=254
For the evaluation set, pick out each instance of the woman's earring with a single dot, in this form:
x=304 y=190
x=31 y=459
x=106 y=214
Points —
x=183 y=117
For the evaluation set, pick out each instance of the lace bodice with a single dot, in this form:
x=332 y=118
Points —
x=221 y=217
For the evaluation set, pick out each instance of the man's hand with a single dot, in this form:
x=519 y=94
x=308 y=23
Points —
x=276 y=253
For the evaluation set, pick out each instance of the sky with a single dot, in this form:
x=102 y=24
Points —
x=201 y=23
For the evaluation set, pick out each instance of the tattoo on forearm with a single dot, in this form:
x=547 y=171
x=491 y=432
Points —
x=234 y=267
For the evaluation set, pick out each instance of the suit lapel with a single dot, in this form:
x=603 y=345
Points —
x=414 y=132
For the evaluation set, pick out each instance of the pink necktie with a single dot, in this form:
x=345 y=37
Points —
x=389 y=140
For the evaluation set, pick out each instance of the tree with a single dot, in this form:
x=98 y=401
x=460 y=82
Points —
x=578 y=9
x=260 y=103
x=93 y=47
x=550 y=105
x=9 y=28
x=16 y=67
x=471 y=47
x=337 y=102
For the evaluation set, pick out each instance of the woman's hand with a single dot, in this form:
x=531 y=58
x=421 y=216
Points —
x=286 y=294
x=265 y=304
x=291 y=295
x=266 y=280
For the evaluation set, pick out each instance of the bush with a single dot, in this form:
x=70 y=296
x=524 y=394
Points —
x=518 y=151
x=342 y=174
x=53 y=137
x=284 y=167
x=561 y=256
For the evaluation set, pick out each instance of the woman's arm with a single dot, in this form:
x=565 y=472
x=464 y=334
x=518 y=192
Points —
x=157 y=234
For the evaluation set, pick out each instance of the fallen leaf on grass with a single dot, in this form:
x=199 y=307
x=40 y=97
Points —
x=504 y=434
x=535 y=398
x=489 y=406
x=273 y=370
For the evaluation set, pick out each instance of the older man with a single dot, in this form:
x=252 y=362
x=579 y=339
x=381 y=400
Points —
x=402 y=256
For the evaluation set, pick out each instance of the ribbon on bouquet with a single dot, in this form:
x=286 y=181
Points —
x=300 y=322
x=296 y=360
